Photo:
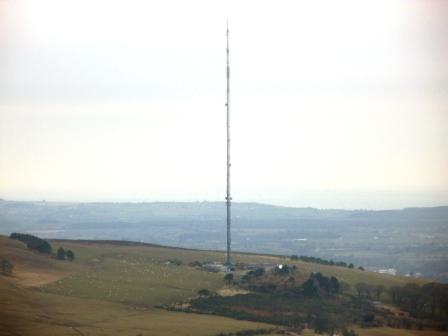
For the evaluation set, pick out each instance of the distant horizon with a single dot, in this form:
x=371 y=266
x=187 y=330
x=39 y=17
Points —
x=110 y=201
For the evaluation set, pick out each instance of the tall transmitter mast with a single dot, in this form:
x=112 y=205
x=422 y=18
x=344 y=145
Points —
x=228 y=197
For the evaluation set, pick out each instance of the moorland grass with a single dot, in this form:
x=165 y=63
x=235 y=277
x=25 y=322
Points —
x=104 y=275
x=26 y=311
x=144 y=274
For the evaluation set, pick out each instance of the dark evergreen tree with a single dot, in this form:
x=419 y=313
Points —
x=310 y=287
x=204 y=292
x=335 y=286
x=228 y=278
x=33 y=242
x=322 y=324
x=60 y=254
x=39 y=245
x=70 y=255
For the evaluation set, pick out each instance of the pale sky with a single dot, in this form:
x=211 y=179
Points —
x=335 y=104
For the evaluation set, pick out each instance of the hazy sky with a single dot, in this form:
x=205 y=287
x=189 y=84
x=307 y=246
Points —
x=338 y=104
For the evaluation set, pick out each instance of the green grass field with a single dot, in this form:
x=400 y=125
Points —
x=142 y=275
x=138 y=274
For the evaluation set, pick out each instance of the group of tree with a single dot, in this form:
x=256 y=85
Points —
x=65 y=255
x=319 y=285
x=253 y=274
x=7 y=267
x=253 y=332
x=284 y=269
x=42 y=246
x=280 y=278
x=324 y=324
x=431 y=299
x=369 y=291
x=321 y=261
x=204 y=292
x=328 y=314
x=33 y=242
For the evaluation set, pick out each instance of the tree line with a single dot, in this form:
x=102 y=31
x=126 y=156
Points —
x=319 y=285
x=33 y=242
x=316 y=260
x=428 y=300
x=42 y=246
x=369 y=291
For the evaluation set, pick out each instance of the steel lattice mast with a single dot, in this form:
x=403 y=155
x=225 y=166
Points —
x=228 y=197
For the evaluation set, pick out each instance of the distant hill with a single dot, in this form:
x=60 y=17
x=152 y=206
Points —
x=411 y=240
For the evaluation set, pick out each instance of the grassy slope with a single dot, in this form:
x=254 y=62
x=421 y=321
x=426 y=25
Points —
x=32 y=310
x=139 y=274
x=34 y=269
x=29 y=312
x=132 y=275
x=354 y=276
x=105 y=274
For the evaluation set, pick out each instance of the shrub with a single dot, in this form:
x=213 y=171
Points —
x=60 y=254
x=70 y=255
x=228 y=278
x=204 y=292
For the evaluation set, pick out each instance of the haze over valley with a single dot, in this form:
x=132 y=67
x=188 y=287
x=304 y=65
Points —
x=411 y=241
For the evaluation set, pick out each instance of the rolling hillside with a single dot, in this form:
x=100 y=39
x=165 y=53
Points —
x=30 y=307
x=112 y=288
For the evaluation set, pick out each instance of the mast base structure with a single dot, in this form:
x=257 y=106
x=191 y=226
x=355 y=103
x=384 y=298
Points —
x=228 y=197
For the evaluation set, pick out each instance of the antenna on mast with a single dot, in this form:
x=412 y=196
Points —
x=228 y=197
